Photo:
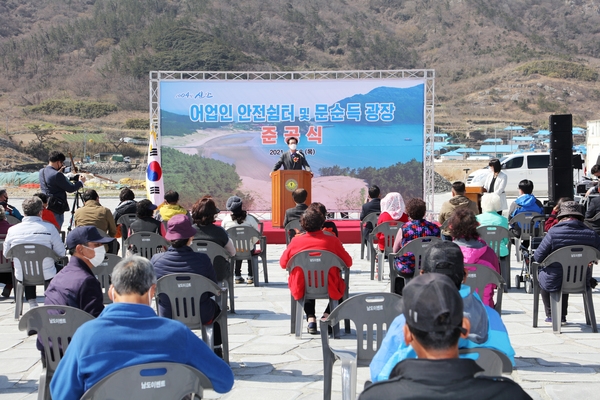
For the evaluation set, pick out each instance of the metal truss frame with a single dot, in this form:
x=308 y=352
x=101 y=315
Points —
x=427 y=75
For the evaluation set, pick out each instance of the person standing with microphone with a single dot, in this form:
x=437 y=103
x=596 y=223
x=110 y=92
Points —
x=292 y=159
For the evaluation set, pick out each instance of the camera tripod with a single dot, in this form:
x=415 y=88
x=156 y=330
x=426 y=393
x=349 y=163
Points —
x=77 y=202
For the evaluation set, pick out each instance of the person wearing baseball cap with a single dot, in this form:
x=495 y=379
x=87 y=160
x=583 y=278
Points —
x=487 y=329
x=434 y=323
x=570 y=230
x=76 y=285
x=181 y=258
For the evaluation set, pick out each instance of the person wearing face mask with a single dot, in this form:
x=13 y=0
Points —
x=75 y=285
x=291 y=159
x=34 y=230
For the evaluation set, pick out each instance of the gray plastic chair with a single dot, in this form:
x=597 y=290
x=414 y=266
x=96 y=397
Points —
x=527 y=222
x=315 y=265
x=372 y=218
x=493 y=362
x=145 y=244
x=6 y=265
x=416 y=246
x=12 y=219
x=153 y=381
x=103 y=273
x=390 y=229
x=184 y=292
x=31 y=257
x=575 y=261
x=263 y=245
x=125 y=221
x=293 y=224
x=493 y=236
x=372 y=311
x=222 y=269
x=444 y=227
x=55 y=326
x=479 y=276
x=244 y=240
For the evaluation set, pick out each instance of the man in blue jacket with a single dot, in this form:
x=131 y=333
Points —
x=128 y=332
x=570 y=230
x=487 y=328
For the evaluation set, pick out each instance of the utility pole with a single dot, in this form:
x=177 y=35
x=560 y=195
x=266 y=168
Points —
x=84 y=143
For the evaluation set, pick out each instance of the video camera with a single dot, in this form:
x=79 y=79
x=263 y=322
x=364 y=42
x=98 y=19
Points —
x=73 y=178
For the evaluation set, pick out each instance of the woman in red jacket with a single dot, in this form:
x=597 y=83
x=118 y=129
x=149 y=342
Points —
x=315 y=239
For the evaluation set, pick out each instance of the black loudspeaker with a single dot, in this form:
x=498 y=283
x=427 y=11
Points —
x=561 y=140
x=560 y=183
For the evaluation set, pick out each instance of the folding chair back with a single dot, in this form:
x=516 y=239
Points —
x=479 y=276
x=5 y=264
x=315 y=265
x=244 y=240
x=417 y=247
x=185 y=292
x=372 y=314
x=31 y=259
x=154 y=381
x=145 y=244
x=493 y=362
x=12 y=219
x=372 y=219
x=291 y=226
x=125 y=221
x=389 y=229
x=575 y=262
x=55 y=326
x=103 y=273
x=220 y=261
x=493 y=236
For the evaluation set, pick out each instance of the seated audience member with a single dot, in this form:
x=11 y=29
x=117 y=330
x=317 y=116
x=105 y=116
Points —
x=417 y=227
x=299 y=195
x=594 y=171
x=180 y=257
x=127 y=205
x=570 y=230
x=526 y=202
x=170 y=207
x=8 y=209
x=458 y=200
x=32 y=230
x=489 y=217
x=128 y=332
x=552 y=220
x=76 y=285
x=5 y=277
x=94 y=214
x=328 y=226
x=47 y=215
x=145 y=222
x=392 y=209
x=463 y=227
x=204 y=213
x=315 y=239
x=239 y=217
x=373 y=205
x=487 y=328
x=435 y=322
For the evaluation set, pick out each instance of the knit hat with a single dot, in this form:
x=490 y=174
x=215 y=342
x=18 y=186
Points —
x=234 y=204
x=432 y=304
x=569 y=209
x=179 y=227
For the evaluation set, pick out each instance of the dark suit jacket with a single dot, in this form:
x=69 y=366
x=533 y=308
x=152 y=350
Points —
x=593 y=208
x=288 y=163
x=294 y=213
x=372 y=206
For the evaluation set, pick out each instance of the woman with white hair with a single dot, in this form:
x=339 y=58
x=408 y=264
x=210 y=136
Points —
x=490 y=204
x=392 y=209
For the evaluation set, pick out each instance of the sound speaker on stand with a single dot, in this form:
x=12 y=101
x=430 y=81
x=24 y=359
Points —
x=560 y=172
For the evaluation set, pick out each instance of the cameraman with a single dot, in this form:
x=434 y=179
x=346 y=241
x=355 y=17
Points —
x=55 y=184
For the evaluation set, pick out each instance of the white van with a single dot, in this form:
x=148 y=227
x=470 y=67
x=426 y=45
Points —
x=532 y=166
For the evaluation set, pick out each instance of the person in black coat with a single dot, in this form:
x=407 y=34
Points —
x=371 y=206
x=292 y=159
x=299 y=195
x=570 y=230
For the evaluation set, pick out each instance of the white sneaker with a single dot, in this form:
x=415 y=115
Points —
x=33 y=303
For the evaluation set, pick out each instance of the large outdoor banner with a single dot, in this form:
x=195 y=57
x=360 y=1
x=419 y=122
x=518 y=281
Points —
x=223 y=137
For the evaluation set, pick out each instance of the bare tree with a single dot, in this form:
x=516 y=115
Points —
x=115 y=138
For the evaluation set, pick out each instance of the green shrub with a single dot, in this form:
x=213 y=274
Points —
x=559 y=69
x=73 y=108
x=136 y=123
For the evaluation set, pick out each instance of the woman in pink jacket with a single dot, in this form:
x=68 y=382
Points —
x=463 y=227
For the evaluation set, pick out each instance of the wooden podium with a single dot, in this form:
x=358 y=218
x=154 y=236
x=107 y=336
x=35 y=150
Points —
x=474 y=193
x=283 y=183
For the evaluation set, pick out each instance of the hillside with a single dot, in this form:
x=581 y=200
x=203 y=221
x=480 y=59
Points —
x=496 y=62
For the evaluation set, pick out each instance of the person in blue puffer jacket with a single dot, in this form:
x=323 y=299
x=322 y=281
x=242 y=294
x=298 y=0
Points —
x=487 y=328
x=570 y=230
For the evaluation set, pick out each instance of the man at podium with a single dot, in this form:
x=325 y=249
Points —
x=292 y=159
